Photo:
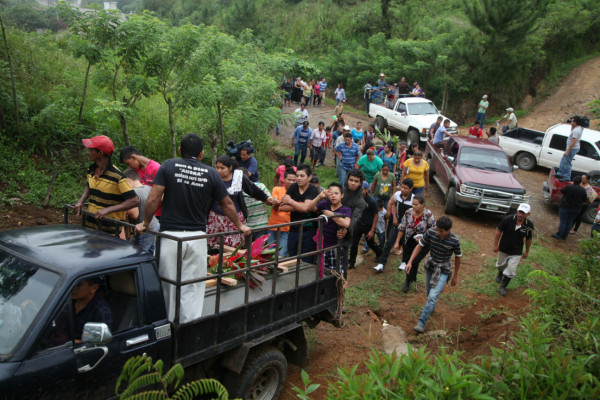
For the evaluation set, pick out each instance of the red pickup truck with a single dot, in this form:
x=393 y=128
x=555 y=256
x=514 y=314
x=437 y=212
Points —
x=475 y=174
x=552 y=193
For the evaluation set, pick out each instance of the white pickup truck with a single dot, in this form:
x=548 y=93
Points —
x=411 y=115
x=529 y=148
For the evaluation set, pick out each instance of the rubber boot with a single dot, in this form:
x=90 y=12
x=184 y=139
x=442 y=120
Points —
x=504 y=284
x=499 y=277
x=406 y=285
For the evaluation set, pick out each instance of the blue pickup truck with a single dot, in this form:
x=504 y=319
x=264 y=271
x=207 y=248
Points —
x=244 y=337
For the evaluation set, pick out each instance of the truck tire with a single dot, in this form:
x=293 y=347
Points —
x=590 y=213
x=525 y=161
x=380 y=123
x=594 y=178
x=431 y=169
x=450 y=208
x=412 y=137
x=262 y=378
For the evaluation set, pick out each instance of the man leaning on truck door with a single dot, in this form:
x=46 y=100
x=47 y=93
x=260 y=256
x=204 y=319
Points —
x=189 y=188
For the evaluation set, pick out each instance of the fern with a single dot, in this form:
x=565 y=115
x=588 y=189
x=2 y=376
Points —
x=139 y=372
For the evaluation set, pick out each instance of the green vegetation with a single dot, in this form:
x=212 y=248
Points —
x=554 y=355
x=141 y=379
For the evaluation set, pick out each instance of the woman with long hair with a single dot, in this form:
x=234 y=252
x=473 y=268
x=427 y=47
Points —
x=236 y=183
x=416 y=221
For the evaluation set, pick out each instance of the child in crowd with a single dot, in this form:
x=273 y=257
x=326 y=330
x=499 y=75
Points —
x=281 y=217
x=315 y=180
x=280 y=171
x=326 y=145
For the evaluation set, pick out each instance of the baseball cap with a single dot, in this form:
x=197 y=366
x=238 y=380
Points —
x=524 y=207
x=510 y=109
x=365 y=185
x=305 y=123
x=102 y=143
x=484 y=96
x=346 y=128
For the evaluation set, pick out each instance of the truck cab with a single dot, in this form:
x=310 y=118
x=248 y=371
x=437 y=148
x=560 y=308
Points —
x=50 y=349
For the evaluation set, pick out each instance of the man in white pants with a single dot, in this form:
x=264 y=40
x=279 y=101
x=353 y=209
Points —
x=189 y=188
x=511 y=232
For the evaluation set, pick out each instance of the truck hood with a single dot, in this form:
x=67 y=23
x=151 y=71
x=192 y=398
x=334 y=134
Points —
x=425 y=121
x=494 y=180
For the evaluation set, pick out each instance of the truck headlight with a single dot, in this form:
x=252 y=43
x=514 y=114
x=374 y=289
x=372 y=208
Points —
x=469 y=190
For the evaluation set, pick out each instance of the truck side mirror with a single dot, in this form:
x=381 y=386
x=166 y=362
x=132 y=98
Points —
x=515 y=167
x=450 y=159
x=96 y=333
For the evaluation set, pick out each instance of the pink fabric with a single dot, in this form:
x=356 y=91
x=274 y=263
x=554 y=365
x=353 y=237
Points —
x=280 y=172
x=322 y=263
x=220 y=223
x=147 y=177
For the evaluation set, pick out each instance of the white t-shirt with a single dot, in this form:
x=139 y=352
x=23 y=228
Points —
x=575 y=134
x=318 y=137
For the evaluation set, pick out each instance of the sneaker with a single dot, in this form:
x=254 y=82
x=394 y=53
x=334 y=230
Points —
x=402 y=266
x=419 y=328
x=378 y=268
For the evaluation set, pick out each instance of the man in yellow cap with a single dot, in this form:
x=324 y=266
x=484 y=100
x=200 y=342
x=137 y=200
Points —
x=107 y=190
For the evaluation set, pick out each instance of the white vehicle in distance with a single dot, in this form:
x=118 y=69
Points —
x=529 y=148
x=411 y=115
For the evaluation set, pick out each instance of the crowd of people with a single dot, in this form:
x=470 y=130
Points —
x=380 y=196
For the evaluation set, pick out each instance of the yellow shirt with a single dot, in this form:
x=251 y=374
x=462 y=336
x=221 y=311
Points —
x=416 y=173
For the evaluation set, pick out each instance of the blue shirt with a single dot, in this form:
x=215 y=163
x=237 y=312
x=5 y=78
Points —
x=301 y=135
x=349 y=155
x=252 y=166
x=356 y=135
x=439 y=134
x=391 y=161
x=323 y=86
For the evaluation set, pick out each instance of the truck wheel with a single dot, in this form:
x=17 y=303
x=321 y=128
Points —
x=412 y=137
x=526 y=161
x=380 y=124
x=590 y=213
x=431 y=169
x=263 y=376
x=451 y=201
x=594 y=178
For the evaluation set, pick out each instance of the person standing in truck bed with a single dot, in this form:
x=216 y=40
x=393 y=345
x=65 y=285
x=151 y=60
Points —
x=108 y=192
x=188 y=189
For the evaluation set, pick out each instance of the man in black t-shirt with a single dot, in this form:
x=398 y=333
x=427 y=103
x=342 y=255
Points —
x=574 y=197
x=297 y=202
x=508 y=243
x=189 y=188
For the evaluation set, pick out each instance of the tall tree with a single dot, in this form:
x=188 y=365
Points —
x=12 y=79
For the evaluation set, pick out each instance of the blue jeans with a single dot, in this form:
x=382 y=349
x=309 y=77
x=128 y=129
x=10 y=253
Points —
x=432 y=294
x=564 y=169
x=418 y=190
x=481 y=118
x=380 y=238
x=308 y=244
x=567 y=218
x=367 y=103
x=283 y=242
x=300 y=150
x=342 y=174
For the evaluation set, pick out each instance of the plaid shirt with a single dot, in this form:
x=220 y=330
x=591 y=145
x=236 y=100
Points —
x=96 y=310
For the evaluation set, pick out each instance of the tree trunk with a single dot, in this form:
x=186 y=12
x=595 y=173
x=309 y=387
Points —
x=123 y=122
x=12 y=80
x=172 y=127
x=385 y=16
x=221 y=128
x=214 y=145
x=85 y=83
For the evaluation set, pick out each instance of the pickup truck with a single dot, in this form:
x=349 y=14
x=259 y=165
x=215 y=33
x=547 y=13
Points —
x=552 y=193
x=474 y=174
x=243 y=338
x=528 y=148
x=411 y=115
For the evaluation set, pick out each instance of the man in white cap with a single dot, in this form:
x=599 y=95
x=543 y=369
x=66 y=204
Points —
x=511 y=120
x=511 y=232
x=381 y=83
x=483 y=105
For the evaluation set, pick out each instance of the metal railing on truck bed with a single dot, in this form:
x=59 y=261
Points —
x=241 y=314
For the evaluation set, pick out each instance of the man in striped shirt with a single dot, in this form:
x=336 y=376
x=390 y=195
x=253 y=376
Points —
x=258 y=215
x=348 y=153
x=438 y=267
x=107 y=190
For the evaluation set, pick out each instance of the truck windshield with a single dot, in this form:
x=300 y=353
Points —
x=475 y=157
x=422 y=108
x=24 y=288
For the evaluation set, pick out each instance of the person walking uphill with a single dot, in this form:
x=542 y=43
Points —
x=109 y=193
x=438 y=267
x=188 y=189
x=511 y=232
x=366 y=226
x=348 y=154
x=300 y=138
x=483 y=106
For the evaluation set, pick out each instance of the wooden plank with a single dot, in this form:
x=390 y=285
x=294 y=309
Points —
x=228 y=250
x=224 y=281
